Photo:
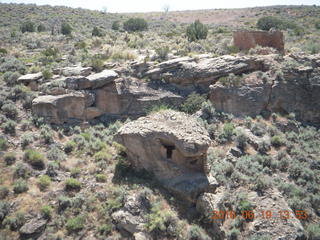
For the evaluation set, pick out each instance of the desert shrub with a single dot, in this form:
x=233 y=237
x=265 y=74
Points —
x=243 y=204
x=3 y=144
x=104 y=229
x=97 y=64
x=195 y=232
x=228 y=131
x=72 y=184
x=21 y=171
x=231 y=80
x=44 y=182
x=159 y=218
x=135 y=24
x=311 y=47
x=313 y=230
x=268 y=22
x=46 y=134
x=258 y=129
x=261 y=183
x=9 y=158
x=233 y=234
x=4 y=209
x=193 y=103
x=115 y=25
x=101 y=178
x=56 y=154
x=96 y=32
x=103 y=156
x=34 y=158
x=197 y=31
x=75 y=224
x=47 y=74
x=162 y=52
x=26 y=139
x=263 y=146
x=50 y=52
x=11 y=78
x=75 y=172
x=66 y=29
x=27 y=27
x=41 y=28
x=4 y=192
x=3 y=52
x=20 y=186
x=277 y=141
x=69 y=147
x=12 y=64
x=9 y=127
x=158 y=108
x=10 y=110
x=15 y=222
x=241 y=140
x=46 y=211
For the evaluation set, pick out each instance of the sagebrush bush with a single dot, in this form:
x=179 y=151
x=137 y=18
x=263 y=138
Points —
x=97 y=32
x=46 y=211
x=72 y=184
x=56 y=154
x=21 y=171
x=193 y=103
x=47 y=74
x=75 y=224
x=44 y=182
x=10 y=110
x=3 y=144
x=4 y=192
x=28 y=27
x=66 y=29
x=11 y=78
x=277 y=141
x=20 y=186
x=197 y=31
x=10 y=158
x=9 y=127
x=162 y=52
x=115 y=25
x=69 y=147
x=135 y=24
x=34 y=158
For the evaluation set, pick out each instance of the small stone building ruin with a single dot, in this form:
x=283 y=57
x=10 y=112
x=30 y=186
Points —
x=245 y=40
x=173 y=146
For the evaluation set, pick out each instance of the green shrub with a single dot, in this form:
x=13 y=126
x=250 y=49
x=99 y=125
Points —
x=15 y=222
x=261 y=183
x=11 y=78
x=277 y=141
x=197 y=31
x=21 y=171
x=3 y=51
x=46 y=134
x=75 y=172
x=101 y=178
x=4 y=192
x=72 y=184
x=10 y=110
x=20 y=186
x=4 y=209
x=158 y=108
x=105 y=229
x=3 y=144
x=231 y=80
x=75 y=224
x=162 y=52
x=27 y=27
x=96 y=32
x=26 y=139
x=46 y=211
x=9 y=127
x=313 y=231
x=228 y=130
x=195 y=232
x=135 y=24
x=9 y=158
x=34 y=158
x=233 y=234
x=51 y=52
x=97 y=64
x=69 y=147
x=268 y=22
x=66 y=29
x=241 y=140
x=41 y=28
x=12 y=64
x=47 y=74
x=317 y=25
x=44 y=182
x=56 y=154
x=103 y=156
x=115 y=25
x=193 y=103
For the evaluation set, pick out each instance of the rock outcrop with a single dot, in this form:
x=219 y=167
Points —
x=203 y=70
x=245 y=40
x=33 y=228
x=296 y=91
x=173 y=146
x=73 y=71
x=30 y=80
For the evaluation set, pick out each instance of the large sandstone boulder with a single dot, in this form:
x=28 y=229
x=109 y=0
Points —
x=92 y=81
x=33 y=228
x=131 y=97
x=173 y=146
x=30 y=80
x=61 y=108
x=203 y=70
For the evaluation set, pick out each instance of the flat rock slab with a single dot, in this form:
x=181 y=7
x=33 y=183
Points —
x=30 y=77
x=33 y=227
